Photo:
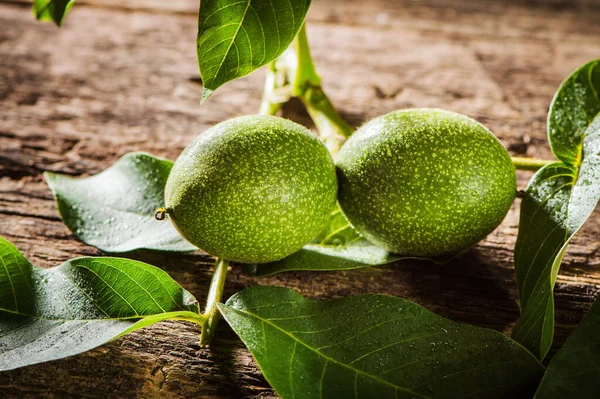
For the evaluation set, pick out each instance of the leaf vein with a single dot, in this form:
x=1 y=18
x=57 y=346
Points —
x=245 y=311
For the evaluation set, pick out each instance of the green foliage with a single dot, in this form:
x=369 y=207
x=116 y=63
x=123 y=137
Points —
x=558 y=201
x=374 y=346
x=364 y=346
x=114 y=210
x=48 y=314
x=574 y=108
x=573 y=371
x=52 y=10
x=237 y=37
x=338 y=247
x=103 y=211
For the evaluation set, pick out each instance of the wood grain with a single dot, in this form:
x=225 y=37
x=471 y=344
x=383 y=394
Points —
x=124 y=78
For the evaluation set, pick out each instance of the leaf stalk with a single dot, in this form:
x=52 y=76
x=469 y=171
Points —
x=294 y=75
x=277 y=91
x=333 y=129
x=215 y=293
x=531 y=164
x=306 y=74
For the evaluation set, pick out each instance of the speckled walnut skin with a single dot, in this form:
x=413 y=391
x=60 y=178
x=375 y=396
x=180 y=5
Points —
x=425 y=182
x=252 y=189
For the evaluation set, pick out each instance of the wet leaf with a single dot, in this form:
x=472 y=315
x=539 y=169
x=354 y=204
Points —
x=114 y=210
x=48 y=314
x=237 y=37
x=574 y=108
x=573 y=371
x=558 y=200
x=374 y=346
x=52 y=10
x=338 y=247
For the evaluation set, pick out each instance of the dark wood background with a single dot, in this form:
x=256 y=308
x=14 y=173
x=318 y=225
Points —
x=121 y=76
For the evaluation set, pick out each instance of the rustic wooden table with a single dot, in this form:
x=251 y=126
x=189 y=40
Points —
x=122 y=76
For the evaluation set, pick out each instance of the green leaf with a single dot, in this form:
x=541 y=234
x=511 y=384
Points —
x=338 y=247
x=374 y=346
x=574 y=371
x=48 y=314
x=558 y=200
x=52 y=10
x=114 y=210
x=338 y=231
x=575 y=106
x=236 y=37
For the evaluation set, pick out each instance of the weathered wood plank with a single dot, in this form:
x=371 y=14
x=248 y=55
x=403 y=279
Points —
x=113 y=81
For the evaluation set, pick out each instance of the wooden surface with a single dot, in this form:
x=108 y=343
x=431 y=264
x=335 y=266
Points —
x=123 y=77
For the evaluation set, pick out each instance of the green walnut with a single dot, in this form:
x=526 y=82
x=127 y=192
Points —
x=252 y=189
x=425 y=182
